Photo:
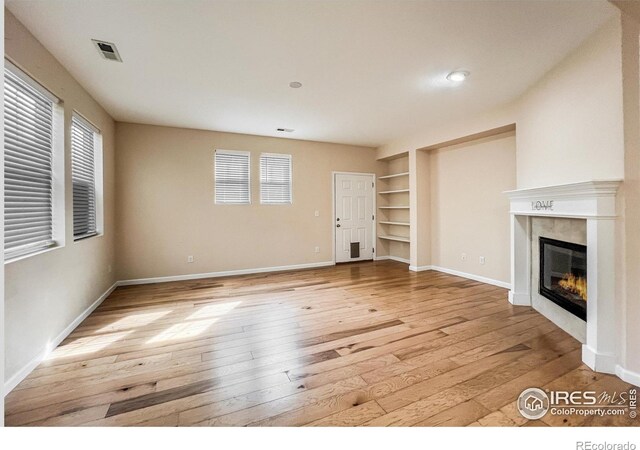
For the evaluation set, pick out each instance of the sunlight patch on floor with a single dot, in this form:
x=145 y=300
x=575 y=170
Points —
x=134 y=320
x=213 y=310
x=86 y=345
x=183 y=331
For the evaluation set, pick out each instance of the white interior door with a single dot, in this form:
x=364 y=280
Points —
x=354 y=219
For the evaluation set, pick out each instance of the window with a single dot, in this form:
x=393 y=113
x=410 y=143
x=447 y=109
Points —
x=232 y=177
x=28 y=164
x=275 y=179
x=84 y=143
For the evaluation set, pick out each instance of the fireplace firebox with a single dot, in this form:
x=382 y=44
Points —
x=563 y=275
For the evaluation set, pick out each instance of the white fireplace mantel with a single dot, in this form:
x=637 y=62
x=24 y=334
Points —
x=594 y=201
x=576 y=200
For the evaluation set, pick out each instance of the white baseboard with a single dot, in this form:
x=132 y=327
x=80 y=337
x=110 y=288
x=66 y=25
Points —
x=12 y=382
x=226 y=273
x=420 y=268
x=392 y=258
x=519 y=299
x=473 y=277
x=598 y=362
x=469 y=276
x=628 y=376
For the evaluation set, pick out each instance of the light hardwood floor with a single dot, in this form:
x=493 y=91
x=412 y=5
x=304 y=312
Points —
x=357 y=344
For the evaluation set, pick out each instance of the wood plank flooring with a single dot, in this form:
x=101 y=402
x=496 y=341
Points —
x=358 y=344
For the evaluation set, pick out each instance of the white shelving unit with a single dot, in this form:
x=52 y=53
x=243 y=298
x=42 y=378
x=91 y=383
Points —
x=399 y=224
x=397 y=191
x=395 y=238
x=395 y=175
x=393 y=209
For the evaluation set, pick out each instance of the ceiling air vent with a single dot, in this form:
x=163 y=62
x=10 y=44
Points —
x=286 y=130
x=107 y=50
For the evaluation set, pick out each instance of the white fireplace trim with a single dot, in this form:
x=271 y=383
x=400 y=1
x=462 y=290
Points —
x=594 y=201
x=590 y=199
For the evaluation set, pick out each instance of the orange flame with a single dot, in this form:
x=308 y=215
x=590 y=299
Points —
x=575 y=285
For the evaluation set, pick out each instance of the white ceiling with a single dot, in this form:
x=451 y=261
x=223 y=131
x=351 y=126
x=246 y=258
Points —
x=372 y=71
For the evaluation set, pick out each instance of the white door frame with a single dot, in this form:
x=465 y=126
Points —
x=374 y=235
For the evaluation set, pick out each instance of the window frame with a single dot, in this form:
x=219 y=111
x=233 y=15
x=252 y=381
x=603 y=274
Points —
x=97 y=176
x=215 y=176
x=289 y=157
x=57 y=168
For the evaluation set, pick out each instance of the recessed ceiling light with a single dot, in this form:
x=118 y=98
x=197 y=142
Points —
x=295 y=84
x=458 y=75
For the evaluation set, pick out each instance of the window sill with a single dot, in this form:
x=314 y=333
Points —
x=277 y=204
x=32 y=254
x=86 y=236
x=232 y=204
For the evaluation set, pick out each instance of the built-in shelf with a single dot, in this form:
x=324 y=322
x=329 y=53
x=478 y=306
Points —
x=395 y=212
x=401 y=224
x=394 y=238
x=397 y=191
x=385 y=177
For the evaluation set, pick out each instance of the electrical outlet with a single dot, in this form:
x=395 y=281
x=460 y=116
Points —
x=317 y=214
x=317 y=249
x=189 y=259
x=482 y=260
x=464 y=257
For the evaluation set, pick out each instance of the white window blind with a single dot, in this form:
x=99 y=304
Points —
x=28 y=164
x=83 y=177
x=232 y=177
x=275 y=179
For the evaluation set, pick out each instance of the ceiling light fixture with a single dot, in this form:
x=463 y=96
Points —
x=295 y=84
x=458 y=75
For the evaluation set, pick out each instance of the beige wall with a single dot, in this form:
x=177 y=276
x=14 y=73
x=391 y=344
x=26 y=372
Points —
x=499 y=117
x=166 y=209
x=421 y=202
x=469 y=212
x=570 y=123
x=46 y=292
x=629 y=239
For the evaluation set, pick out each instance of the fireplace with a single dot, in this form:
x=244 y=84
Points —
x=563 y=275
x=595 y=203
